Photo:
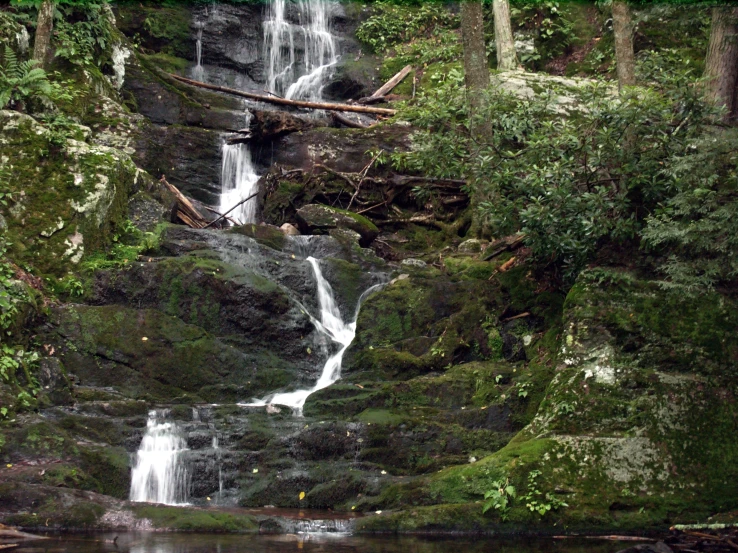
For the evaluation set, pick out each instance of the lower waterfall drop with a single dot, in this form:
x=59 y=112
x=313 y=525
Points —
x=331 y=325
x=238 y=182
x=159 y=474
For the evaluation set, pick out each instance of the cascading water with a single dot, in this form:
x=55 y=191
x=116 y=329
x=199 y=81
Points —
x=238 y=180
x=295 y=76
x=159 y=474
x=198 y=73
x=332 y=326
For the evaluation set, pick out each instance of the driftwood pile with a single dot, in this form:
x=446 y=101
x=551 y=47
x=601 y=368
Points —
x=710 y=541
x=723 y=540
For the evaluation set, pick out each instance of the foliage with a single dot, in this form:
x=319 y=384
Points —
x=22 y=81
x=84 y=35
x=551 y=31
x=698 y=227
x=392 y=24
x=128 y=244
x=570 y=183
x=499 y=497
x=14 y=358
x=538 y=502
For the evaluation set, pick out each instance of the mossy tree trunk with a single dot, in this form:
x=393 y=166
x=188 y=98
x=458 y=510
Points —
x=507 y=58
x=622 y=24
x=721 y=65
x=44 y=28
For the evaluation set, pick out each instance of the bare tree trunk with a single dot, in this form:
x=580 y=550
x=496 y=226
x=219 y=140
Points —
x=44 y=28
x=507 y=58
x=721 y=65
x=476 y=68
x=476 y=78
x=622 y=25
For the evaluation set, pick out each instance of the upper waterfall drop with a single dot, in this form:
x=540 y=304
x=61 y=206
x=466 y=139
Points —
x=159 y=475
x=288 y=74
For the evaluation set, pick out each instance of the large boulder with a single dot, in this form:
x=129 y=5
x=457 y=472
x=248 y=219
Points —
x=67 y=194
x=319 y=219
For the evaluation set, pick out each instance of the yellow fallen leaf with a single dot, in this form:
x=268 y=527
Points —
x=302 y=496
x=208 y=499
x=144 y=339
x=9 y=465
x=255 y=471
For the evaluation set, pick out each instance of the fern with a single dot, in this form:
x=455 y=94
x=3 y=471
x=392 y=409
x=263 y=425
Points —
x=21 y=81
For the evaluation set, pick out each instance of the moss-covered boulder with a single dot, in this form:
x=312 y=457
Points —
x=634 y=430
x=319 y=219
x=67 y=196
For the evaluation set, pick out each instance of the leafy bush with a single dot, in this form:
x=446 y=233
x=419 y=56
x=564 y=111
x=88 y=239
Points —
x=392 y=24
x=84 y=35
x=570 y=183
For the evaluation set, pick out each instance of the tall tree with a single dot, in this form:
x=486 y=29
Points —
x=44 y=28
x=622 y=24
x=476 y=68
x=507 y=58
x=721 y=65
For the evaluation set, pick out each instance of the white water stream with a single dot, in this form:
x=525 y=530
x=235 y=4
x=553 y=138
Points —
x=332 y=326
x=159 y=475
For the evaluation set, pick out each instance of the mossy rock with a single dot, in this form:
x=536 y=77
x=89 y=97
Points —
x=147 y=354
x=68 y=197
x=187 y=519
x=319 y=219
x=267 y=235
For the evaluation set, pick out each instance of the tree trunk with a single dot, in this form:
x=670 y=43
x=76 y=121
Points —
x=721 y=65
x=476 y=68
x=476 y=78
x=507 y=58
x=622 y=25
x=44 y=28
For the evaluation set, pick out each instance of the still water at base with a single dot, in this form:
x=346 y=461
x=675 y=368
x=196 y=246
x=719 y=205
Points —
x=334 y=543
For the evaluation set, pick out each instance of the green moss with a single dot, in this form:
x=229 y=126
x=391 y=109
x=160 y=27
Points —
x=168 y=63
x=267 y=235
x=67 y=197
x=379 y=416
x=196 y=520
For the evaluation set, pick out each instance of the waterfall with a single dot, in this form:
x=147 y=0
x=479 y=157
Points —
x=198 y=73
x=287 y=74
x=332 y=326
x=159 y=474
x=216 y=449
x=238 y=180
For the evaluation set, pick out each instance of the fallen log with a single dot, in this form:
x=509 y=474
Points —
x=387 y=87
x=327 y=106
x=502 y=245
x=371 y=100
x=348 y=122
x=427 y=220
x=8 y=532
x=186 y=212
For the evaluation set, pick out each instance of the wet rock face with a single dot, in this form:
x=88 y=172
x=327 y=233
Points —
x=232 y=41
